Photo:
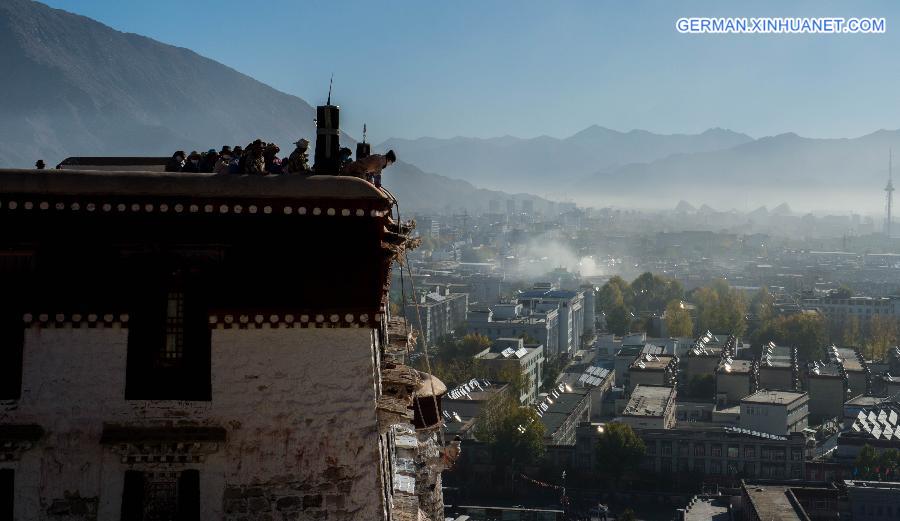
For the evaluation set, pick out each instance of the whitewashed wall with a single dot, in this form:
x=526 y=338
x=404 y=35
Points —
x=298 y=406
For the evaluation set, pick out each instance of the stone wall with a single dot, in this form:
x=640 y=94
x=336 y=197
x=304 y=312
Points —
x=297 y=405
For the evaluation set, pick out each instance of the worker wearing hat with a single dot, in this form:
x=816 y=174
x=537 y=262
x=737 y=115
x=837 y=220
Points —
x=298 y=161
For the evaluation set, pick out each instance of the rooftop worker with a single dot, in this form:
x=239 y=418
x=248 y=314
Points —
x=370 y=168
x=254 y=162
x=209 y=160
x=222 y=164
x=192 y=164
x=345 y=157
x=234 y=166
x=273 y=163
x=298 y=161
x=176 y=164
x=40 y=164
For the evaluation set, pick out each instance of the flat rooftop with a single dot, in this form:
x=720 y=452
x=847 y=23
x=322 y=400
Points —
x=708 y=351
x=649 y=362
x=825 y=370
x=735 y=367
x=636 y=349
x=649 y=401
x=561 y=408
x=773 y=503
x=850 y=360
x=773 y=397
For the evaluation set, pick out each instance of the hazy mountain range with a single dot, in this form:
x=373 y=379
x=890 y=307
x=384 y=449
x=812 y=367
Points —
x=599 y=167
x=811 y=173
x=541 y=163
x=73 y=86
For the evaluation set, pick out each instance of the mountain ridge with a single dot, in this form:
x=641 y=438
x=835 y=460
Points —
x=76 y=87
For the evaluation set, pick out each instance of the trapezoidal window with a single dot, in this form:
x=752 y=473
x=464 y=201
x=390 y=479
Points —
x=169 y=343
x=152 y=496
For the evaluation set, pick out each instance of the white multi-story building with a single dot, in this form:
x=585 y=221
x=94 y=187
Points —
x=775 y=412
x=173 y=348
x=543 y=298
x=509 y=321
x=440 y=313
x=512 y=354
x=862 y=308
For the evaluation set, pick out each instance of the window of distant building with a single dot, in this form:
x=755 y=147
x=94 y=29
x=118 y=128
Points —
x=169 y=343
x=12 y=340
x=161 y=495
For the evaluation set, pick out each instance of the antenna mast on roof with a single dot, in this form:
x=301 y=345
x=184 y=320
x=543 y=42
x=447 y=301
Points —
x=329 y=89
x=889 y=195
x=364 y=132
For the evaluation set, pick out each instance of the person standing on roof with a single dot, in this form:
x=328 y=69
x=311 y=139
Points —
x=370 y=167
x=222 y=164
x=254 y=161
x=273 y=163
x=345 y=155
x=208 y=161
x=176 y=164
x=193 y=162
x=234 y=166
x=298 y=161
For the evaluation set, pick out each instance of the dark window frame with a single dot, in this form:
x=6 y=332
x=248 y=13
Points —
x=12 y=354
x=154 y=371
x=187 y=495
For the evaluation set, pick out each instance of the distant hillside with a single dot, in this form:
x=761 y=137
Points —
x=420 y=191
x=817 y=173
x=73 y=86
x=544 y=163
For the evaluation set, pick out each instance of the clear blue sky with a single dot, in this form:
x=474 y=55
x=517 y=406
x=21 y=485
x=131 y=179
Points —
x=489 y=67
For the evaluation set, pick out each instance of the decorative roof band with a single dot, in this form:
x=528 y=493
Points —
x=115 y=206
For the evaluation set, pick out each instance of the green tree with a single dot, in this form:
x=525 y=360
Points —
x=472 y=344
x=515 y=434
x=612 y=294
x=618 y=320
x=762 y=306
x=720 y=308
x=882 y=335
x=805 y=331
x=866 y=461
x=652 y=292
x=553 y=366
x=889 y=464
x=678 y=320
x=454 y=371
x=619 y=451
x=851 y=334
